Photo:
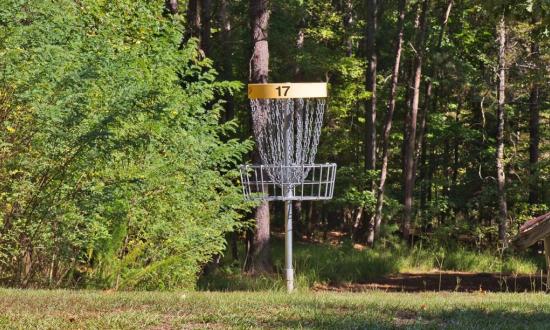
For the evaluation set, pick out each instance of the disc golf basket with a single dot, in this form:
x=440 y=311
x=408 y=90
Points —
x=287 y=124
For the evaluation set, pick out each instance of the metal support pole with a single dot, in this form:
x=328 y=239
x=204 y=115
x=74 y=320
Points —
x=289 y=271
x=287 y=178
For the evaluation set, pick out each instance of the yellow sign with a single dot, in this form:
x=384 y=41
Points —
x=287 y=90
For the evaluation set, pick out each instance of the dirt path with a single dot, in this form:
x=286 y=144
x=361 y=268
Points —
x=447 y=281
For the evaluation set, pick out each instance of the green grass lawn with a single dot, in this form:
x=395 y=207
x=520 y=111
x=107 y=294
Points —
x=27 y=309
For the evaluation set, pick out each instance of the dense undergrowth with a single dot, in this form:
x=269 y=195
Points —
x=114 y=169
x=322 y=263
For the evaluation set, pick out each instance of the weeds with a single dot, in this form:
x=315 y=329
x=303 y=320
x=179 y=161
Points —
x=322 y=264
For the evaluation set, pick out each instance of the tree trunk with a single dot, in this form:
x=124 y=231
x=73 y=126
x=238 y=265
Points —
x=235 y=245
x=260 y=253
x=409 y=175
x=429 y=103
x=193 y=28
x=347 y=22
x=299 y=229
x=423 y=116
x=226 y=73
x=456 y=147
x=409 y=91
x=313 y=219
x=370 y=105
x=226 y=70
x=298 y=75
x=206 y=20
x=534 y=138
x=501 y=179
x=259 y=61
x=298 y=71
x=388 y=122
x=423 y=173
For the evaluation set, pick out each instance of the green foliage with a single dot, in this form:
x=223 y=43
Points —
x=352 y=189
x=113 y=168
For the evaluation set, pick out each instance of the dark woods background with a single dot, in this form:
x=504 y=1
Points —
x=438 y=115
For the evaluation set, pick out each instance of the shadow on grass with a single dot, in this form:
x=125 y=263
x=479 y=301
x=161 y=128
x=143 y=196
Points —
x=412 y=313
x=457 y=319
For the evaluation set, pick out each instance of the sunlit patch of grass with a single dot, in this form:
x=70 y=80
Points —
x=515 y=265
x=464 y=260
x=27 y=309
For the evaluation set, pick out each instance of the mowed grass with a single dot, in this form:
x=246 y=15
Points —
x=40 y=309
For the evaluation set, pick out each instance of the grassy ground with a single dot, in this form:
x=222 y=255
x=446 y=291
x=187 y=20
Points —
x=199 y=310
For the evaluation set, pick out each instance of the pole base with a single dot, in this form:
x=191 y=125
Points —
x=289 y=273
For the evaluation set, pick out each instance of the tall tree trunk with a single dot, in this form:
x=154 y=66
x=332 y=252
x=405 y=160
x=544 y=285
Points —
x=534 y=138
x=370 y=105
x=433 y=72
x=226 y=70
x=388 y=122
x=193 y=28
x=429 y=103
x=348 y=21
x=409 y=91
x=206 y=21
x=410 y=144
x=298 y=71
x=456 y=146
x=226 y=73
x=298 y=76
x=260 y=253
x=259 y=61
x=501 y=179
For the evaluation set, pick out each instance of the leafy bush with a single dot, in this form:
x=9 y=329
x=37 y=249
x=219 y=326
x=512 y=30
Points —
x=112 y=168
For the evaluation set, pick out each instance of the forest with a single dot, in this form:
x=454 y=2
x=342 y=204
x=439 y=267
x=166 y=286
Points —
x=122 y=125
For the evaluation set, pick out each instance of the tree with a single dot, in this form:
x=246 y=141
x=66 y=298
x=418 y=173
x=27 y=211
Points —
x=260 y=251
x=432 y=74
x=389 y=120
x=370 y=105
x=410 y=141
x=298 y=73
x=193 y=16
x=226 y=62
x=421 y=148
x=534 y=132
x=501 y=178
x=206 y=22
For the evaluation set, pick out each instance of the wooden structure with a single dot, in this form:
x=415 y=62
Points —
x=531 y=232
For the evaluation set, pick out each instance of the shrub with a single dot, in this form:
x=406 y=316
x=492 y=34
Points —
x=113 y=171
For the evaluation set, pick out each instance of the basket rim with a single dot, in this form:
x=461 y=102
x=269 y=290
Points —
x=287 y=90
x=264 y=187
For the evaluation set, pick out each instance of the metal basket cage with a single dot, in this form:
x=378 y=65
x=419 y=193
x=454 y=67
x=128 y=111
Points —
x=275 y=182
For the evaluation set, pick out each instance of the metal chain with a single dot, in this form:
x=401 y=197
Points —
x=300 y=120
